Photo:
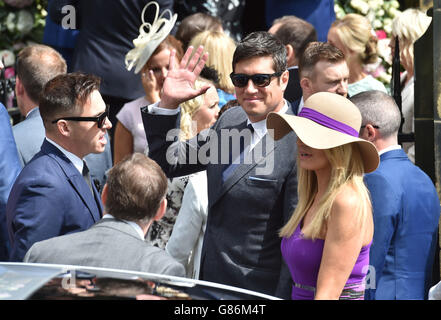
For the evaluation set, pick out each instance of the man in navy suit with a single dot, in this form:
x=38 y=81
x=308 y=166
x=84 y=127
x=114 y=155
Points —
x=295 y=34
x=322 y=68
x=36 y=65
x=53 y=195
x=405 y=205
x=250 y=200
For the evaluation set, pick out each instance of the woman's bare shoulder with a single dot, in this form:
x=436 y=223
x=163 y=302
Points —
x=347 y=198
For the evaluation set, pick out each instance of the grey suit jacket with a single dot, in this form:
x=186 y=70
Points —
x=241 y=243
x=30 y=133
x=109 y=243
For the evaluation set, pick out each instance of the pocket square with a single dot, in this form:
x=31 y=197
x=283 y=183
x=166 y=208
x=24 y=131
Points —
x=261 y=179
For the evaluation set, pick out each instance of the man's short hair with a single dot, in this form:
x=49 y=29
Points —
x=261 y=44
x=36 y=65
x=65 y=95
x=379 y=109
x=315 y=52
x=295 y=32
x=135 y=189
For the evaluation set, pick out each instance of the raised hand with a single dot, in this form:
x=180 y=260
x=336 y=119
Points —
x=179 y=83
x=151 y=86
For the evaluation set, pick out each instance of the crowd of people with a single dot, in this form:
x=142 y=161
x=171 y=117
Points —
x=269 y=162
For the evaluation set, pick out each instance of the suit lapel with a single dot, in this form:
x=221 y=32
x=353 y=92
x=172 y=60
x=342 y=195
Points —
x=76 y=180
x=216 y=189
x=79 y=184
x=260 y=153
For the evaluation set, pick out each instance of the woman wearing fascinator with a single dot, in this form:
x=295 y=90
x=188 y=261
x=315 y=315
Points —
x=150 y=57
x=326 y=242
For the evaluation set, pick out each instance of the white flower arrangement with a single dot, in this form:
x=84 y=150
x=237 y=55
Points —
x=21 y=22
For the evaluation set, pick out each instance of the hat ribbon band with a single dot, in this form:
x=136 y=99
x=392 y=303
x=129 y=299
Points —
x=324 y=120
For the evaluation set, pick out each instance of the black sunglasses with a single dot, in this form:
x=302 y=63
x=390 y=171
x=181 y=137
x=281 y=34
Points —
x=100 y=120
x=259 y=79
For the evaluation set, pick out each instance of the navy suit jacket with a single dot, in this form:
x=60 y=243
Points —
x=49 y=198
x=406 y=211
x=9 y=169
x=29 y=135
x=245 y=212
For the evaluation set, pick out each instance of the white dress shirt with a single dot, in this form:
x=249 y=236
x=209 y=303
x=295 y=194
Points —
x=395 y=147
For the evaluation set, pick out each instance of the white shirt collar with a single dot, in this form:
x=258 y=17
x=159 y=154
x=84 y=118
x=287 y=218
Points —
x=260 y=126
x=134 y=225
x=77 y=162
x=395 y=147
x=301 y=104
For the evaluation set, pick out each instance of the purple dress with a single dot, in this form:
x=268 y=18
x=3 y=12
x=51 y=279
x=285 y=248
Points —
x=303 y=257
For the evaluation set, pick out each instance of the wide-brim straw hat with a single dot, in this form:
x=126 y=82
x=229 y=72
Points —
x=327 y=120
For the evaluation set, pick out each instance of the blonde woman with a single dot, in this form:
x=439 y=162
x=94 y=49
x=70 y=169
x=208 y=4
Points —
x=327 y=239
x=220 y=48
x=408 y=27
x=354 y=36
x=196 y=115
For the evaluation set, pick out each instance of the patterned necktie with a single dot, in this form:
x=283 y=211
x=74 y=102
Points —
x=86 y=176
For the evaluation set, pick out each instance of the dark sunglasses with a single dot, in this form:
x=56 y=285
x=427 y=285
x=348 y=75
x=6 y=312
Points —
x=259 y=79
x=100 y=120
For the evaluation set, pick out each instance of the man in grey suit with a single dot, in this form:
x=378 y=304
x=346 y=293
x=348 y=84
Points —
x=133 y=197
x=249 y=200
x=36 y=65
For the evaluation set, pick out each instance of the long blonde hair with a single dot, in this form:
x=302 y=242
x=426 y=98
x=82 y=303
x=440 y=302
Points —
x=347 y=169
x=220 y=48
x=409 y=26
